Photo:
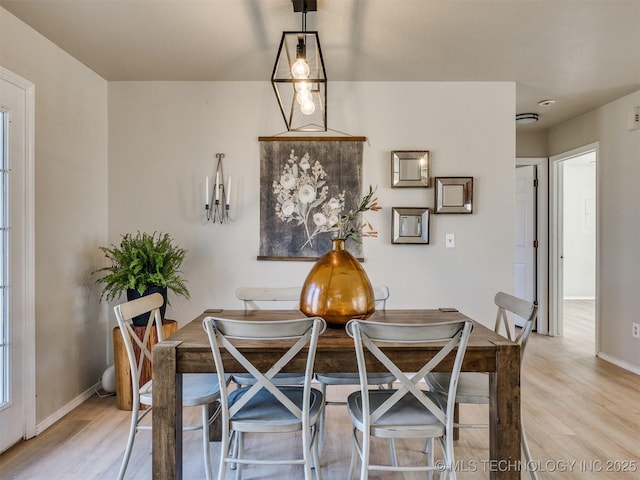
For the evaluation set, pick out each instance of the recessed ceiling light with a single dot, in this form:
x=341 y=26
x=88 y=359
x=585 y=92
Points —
x=524 y=118
x=546 y=103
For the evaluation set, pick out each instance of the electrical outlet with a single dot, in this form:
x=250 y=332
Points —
x=635 y=330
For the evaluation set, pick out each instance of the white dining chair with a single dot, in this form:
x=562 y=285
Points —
x=380 y=295
x=406 y=411
x=254 y=298
x=473 y=387
x=197 y=390
x=265 y=407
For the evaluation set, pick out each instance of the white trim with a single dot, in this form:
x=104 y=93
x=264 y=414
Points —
x=80 y=399
x=542 y=237
x=555 y=239
x=579 y=298
x=619 y=363
x=29 y=248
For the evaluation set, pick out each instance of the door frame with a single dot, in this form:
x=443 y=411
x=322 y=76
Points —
x=557 y=241
x=28 y=299
x=542 y=253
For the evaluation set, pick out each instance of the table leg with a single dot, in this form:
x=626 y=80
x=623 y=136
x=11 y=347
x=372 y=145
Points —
x=504 y=414
x=456 y=419
x=215 y=429
x=167 y=413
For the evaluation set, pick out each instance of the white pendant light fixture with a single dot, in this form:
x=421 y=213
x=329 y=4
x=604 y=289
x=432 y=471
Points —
x=299 y=79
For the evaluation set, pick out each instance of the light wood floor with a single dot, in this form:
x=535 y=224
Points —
x=576 y=407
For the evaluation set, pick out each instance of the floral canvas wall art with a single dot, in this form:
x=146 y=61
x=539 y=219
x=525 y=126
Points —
x=305 y=186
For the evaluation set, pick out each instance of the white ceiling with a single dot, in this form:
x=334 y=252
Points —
x=583 y=53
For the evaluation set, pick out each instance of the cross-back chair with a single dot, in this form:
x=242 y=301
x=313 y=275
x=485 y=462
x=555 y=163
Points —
x=257 y=297
x=253 y=298
x=266 y=407
x=473 y=387
x=198 y=389
x=406 y=411
x=380 y=295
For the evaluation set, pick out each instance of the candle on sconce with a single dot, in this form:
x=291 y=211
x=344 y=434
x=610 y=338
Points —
x=217 y=200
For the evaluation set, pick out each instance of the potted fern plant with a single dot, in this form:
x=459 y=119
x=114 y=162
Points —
x=142 y=264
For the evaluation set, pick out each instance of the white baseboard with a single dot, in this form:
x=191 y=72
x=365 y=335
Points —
x=579 y=298
x=51 y=419
x=620 y=363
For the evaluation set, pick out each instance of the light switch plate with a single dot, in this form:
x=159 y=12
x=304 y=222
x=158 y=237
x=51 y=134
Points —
x=449 y=240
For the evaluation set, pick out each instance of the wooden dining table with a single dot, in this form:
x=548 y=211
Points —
x=188 y=351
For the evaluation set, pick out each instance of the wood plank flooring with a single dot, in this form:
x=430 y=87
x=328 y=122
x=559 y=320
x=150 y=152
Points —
x=582 y=416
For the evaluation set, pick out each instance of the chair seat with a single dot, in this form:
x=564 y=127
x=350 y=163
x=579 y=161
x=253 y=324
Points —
x=278 y=379
x=473 y=387
x=264 y=413
x=353 y=378
x=197 y=389
x=406 y=419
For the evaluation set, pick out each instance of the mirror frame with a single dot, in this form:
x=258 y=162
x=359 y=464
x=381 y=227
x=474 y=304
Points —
x=421 y=158
x=467 y=194
x=421 y=214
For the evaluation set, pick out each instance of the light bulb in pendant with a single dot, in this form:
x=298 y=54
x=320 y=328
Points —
x=300 y=69
x=308 y=108
x=302 y=86
x=304 y=97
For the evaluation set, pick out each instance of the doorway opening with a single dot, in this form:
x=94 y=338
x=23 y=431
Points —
x=17 y=298
x=574 y=256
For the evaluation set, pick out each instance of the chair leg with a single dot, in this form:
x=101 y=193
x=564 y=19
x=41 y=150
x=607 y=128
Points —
x=224 y=451
x=527 y=453
x=132 y=434
x=446 y=444
x=205 y=442
x=306 y=453
x=354 y=452
x=364 y=457
x=429 y=450
x=316 y=453
x=392 y=451
x=321 y=418
x=238 y=453
x=234 y=449
x=392 y=447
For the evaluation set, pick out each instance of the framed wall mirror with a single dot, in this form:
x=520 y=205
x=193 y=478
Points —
x=410 y=225
x=454 y=194
x=410 y=168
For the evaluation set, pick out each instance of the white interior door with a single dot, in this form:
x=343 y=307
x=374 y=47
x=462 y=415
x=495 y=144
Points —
x=525 y=236
x=17 y=398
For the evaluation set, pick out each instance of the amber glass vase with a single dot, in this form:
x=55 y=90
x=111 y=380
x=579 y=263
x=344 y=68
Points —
x=337 y=288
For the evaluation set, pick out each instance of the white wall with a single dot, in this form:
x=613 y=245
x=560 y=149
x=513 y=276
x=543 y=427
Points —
x=579 y=227
x=531 y=144
x=120 y=157
x=618 y=219
x=163 y=137
x=70 y=212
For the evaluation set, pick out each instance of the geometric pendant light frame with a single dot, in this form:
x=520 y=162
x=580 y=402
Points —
x=299 y=78
x=287 y=88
